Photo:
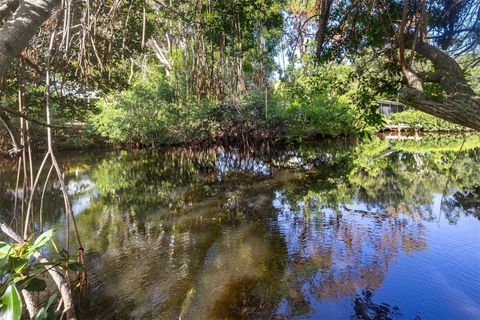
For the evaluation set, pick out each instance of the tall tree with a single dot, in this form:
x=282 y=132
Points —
x=323 y=11
x=425 y=30
x=458 y=104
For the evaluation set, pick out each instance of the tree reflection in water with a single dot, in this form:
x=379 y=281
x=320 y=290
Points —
x=339 y=253
x=366 y=309
x=277 y=233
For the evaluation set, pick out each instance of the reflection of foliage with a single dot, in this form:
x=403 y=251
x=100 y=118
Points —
x=197 y=211
x=152 y=175
x=467 y=201
x=400 y=176
x=395 y=176
x=366 y=309
x=219 y=220
x=348 y=253
x=438 y=144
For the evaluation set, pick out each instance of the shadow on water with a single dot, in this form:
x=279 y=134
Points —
x=332 y=231
x=365 y=309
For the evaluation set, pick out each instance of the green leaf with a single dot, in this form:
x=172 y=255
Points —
x=51 y=300
x=18 y=264
x=41 y=241
x=43 y=314
x=55 y=247
x=5 y=249
x=12 y=304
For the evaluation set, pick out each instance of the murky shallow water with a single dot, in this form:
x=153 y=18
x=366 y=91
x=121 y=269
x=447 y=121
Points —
x=334 y=231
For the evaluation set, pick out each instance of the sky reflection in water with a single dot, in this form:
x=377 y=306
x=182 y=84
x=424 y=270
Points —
x=334 y=231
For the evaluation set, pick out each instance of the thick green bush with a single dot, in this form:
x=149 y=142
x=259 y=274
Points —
x=424 y=121
x=311 y=103
x=319 y=102
x=145 y=113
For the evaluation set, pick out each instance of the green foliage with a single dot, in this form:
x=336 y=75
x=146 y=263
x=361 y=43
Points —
x=424 y=121
x=11 y=307
x=142 y=114
x=44 y=314
x=19 y=271
x=218 y=54
x=473 y=78
x=318 y=101
x=326 y=100
x=318 y=115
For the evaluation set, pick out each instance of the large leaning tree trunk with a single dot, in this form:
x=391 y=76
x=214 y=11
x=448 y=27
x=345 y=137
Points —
x=22 y=19
x=459 y=105
x=459 y=108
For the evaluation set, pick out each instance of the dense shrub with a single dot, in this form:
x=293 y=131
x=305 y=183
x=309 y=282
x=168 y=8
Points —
x=143 y=114
x=320 y=102
x=423 y=121
x=473 y=78
x=311 y=103
x=319 y=115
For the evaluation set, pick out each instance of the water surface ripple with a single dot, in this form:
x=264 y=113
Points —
x=376 y=230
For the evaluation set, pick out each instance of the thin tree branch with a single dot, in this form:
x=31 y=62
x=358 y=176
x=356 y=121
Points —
x=29 y=118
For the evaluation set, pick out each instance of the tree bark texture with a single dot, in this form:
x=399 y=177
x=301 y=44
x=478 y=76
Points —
x=460 y=105
x=323 y=8
x=459 y=108
x=19 y=29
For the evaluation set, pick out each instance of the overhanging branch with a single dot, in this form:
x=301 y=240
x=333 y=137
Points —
x=28 y=118
x=459 y=108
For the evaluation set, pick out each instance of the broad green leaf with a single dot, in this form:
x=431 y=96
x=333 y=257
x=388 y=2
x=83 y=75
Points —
x=40 y=242
x=11 y=304
x=43 y=314
x=42 y=239
x=51 y=300
x=5 y=249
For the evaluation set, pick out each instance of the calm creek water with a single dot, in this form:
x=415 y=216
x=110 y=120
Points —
x=378 y=230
